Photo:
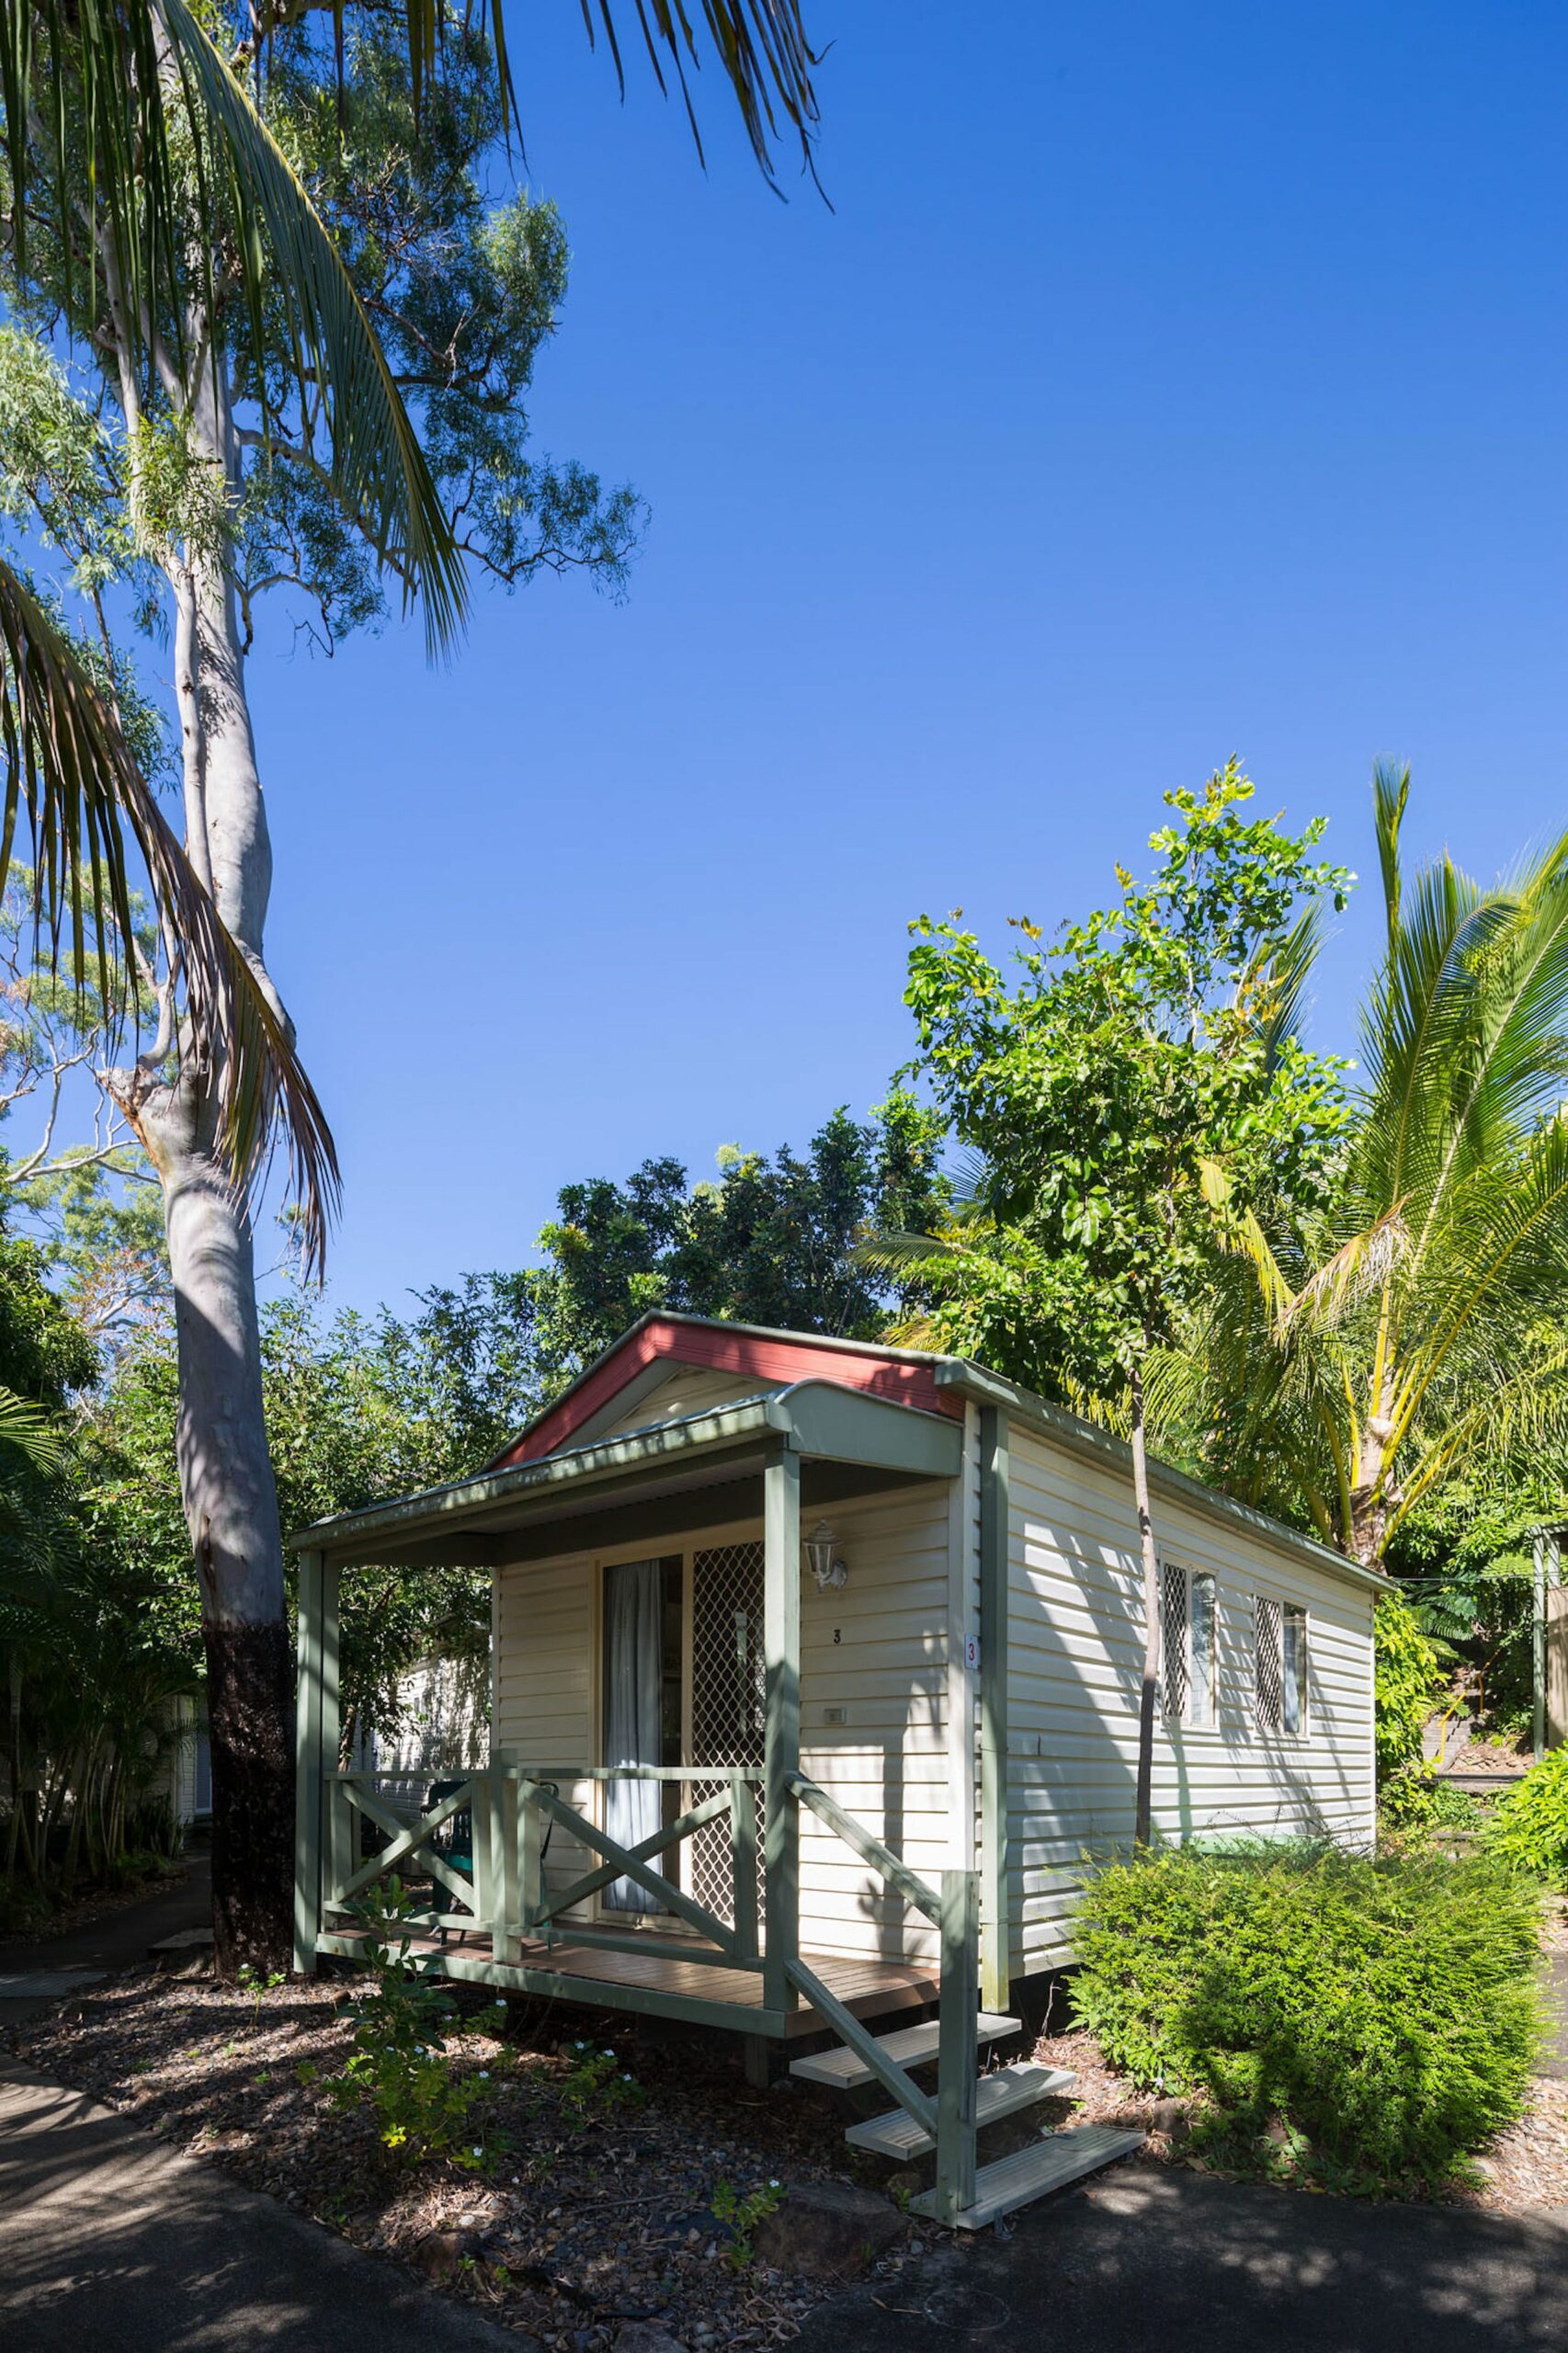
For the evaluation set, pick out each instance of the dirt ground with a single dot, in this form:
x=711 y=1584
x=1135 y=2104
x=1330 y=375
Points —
x=581 y=2217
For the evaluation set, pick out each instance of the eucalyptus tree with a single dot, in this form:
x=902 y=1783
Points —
x=255 y=391
x=1135 y=1086
x=1407 y=1333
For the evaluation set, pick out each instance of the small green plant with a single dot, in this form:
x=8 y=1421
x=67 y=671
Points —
x=257 y=1984
x=400 y=2066
x=1377 y=2019
x=595 y=2086
x=1530 y=1828
x=742 y=2216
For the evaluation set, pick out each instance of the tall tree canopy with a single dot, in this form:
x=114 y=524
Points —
x=1138 y=1088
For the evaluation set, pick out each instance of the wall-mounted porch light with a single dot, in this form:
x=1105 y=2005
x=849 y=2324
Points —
x=822 y=1551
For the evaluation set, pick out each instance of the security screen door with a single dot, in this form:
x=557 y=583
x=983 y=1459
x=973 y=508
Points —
x=684 y=1680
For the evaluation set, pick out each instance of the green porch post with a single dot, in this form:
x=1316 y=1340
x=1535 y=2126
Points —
x=308 y=1763
x=781 y=1752
x=320 y=1812
x=995 y=1926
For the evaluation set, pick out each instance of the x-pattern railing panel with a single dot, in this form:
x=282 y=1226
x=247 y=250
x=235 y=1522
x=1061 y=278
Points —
x=407 y=1841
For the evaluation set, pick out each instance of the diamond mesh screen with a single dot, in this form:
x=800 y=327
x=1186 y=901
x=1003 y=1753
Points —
x=1269 y=1673
x=1175 y=1666
x=727 y=1712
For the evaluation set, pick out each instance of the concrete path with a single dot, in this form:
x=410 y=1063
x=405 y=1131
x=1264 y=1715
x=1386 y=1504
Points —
x=1156 y=2261
x=110 y=2244
x=114 y=1941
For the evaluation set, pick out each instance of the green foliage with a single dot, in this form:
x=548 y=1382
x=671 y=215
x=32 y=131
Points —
x=1385 y=2012
x=1414 y=1804
x=1408 y=1679
x=1406 y=1331
x=772 y=1241
x=595 y=2086
x=1135 y=1089
x=1530 y=1825
x=741 y=2214
x=400 y=2068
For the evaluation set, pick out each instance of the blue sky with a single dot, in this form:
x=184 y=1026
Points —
x=1165 y=382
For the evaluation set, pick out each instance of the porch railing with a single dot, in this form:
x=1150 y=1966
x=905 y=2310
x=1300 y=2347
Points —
x=506 y=1890
x=508 y=1894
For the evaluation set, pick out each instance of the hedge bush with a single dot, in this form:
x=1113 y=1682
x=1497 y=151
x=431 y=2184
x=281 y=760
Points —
x=1530 y=1827
x=1384 y=2011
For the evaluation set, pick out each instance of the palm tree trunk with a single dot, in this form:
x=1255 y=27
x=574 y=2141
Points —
x=1143 y=1803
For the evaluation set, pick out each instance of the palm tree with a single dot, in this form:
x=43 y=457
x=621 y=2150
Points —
x=1354 y=1360
x=172 y=210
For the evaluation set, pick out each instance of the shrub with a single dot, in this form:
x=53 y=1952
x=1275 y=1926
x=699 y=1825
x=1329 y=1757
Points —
x=1408 y=1676
x=400 y=2066
x=1413 y=1803
x=1385 y=2011
x=1530 y=1828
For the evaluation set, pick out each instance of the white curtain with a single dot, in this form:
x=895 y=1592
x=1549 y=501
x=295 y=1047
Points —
x=633 y=1670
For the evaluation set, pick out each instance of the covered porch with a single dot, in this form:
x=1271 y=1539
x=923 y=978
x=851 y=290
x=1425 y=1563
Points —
x=505 y=1911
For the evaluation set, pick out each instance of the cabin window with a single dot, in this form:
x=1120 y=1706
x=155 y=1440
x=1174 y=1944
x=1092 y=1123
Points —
x=1281 y=1673
x=1187 y=1643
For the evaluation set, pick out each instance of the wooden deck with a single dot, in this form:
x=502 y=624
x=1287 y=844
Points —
x=664 y=1980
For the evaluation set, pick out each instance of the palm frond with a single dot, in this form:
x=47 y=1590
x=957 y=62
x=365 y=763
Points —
x=31 y=1429
x=108 y=63
x=74 y=789
x=760 y=47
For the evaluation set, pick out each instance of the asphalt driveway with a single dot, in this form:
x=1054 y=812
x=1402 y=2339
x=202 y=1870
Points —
x=1148 y=2258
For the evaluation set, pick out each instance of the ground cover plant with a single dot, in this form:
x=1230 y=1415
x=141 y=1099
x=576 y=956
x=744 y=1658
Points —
x=1366 y=2022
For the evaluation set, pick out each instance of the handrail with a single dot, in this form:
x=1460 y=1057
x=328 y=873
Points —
x=687 y=1772
x=407 y=1841
x=849 y=2028
x=872 y=1850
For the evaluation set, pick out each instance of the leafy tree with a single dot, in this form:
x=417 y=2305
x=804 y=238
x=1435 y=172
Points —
x=775 y=1242
x=1138 y=1088
x=1408 y=1677
x=1404 y=1334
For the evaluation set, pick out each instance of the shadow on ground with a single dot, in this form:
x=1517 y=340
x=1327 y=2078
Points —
x=1151 y=2258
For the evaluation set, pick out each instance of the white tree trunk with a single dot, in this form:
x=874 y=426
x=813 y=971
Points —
x=226 y=1481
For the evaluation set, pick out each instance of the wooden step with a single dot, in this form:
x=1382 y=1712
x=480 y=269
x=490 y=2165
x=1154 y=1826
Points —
x=842 y=2069
x=1036 y=2171
x=1000 y=2094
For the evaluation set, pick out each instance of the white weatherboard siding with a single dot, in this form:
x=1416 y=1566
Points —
x=887 y=1763
x=873 y=1703
x=1075 y=1647
x=545 y=1670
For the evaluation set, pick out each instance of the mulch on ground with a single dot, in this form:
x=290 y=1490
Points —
x=583 y=2216
x=578 y=2225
